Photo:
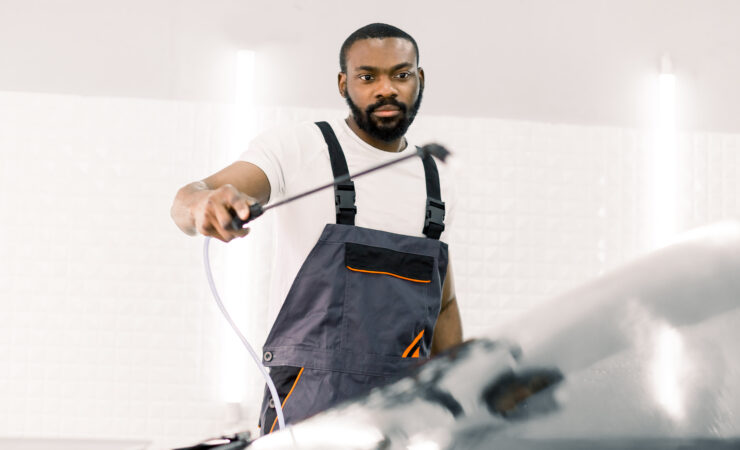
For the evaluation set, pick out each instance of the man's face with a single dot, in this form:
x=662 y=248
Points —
x=383 y=86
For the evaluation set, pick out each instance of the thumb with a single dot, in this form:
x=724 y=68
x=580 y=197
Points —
x=241 y=206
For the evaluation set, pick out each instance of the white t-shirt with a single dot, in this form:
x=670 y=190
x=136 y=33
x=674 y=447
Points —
x=296 y=159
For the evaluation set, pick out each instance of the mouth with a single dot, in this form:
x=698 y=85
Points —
x=387 y=111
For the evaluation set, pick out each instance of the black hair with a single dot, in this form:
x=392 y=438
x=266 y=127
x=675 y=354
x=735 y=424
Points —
x=373 y=31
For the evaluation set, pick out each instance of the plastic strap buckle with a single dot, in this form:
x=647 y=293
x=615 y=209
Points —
x=434 y=220
x=344 y=200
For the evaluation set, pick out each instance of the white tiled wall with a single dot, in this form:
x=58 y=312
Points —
x=542 y=208
x=711 y=166
x=104 y=331
x=106 y=326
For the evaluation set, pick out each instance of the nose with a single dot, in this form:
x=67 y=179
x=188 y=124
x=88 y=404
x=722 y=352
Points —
x=386 y=88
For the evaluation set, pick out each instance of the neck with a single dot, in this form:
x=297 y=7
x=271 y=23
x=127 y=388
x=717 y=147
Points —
x=393 y=146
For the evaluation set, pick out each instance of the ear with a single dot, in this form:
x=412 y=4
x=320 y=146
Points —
x=342 y=84
x=421 y=77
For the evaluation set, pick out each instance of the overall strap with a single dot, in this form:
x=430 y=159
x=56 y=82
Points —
x=344 y=192
x=435 y=213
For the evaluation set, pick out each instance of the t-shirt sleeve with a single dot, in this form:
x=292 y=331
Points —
x=267 y=152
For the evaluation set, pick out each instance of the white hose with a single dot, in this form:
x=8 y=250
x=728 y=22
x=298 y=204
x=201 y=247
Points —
x=257 y=359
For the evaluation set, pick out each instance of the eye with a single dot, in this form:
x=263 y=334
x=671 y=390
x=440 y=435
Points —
x=403 y=75
x=366 y=77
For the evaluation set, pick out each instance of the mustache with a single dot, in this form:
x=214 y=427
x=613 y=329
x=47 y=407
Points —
x=386 y=101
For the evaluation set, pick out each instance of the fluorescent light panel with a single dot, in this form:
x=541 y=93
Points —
x=664 y=165
x=234 y=357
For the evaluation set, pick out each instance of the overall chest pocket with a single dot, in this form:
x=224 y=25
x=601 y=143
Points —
x=389 y=301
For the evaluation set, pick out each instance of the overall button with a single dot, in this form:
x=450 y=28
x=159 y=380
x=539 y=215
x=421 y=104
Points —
x=267 y=356
x=271 y=403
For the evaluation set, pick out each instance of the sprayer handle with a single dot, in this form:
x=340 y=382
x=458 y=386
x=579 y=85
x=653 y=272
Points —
x=255 y=210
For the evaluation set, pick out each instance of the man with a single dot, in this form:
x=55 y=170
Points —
x=360 y=301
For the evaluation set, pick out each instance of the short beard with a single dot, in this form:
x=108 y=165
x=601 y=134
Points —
x=387 y=133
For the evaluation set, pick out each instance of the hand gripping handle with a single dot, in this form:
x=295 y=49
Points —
x=255 y=211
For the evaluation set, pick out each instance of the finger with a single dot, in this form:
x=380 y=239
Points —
x=210 y=228
x=235 y=200
x=222 y=223
x=223 y=214
x=241 y=202
x=206 y=219
x=217 y=207
x=211 y=232
x=202 y=225
x=241 y=206
x=240 y=233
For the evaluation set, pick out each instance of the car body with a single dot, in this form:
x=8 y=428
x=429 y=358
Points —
x=646 y=356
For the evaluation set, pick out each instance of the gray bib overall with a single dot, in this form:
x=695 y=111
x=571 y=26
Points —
x=362 y=308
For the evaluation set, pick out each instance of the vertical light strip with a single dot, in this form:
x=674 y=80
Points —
x=664 y=164
x=236 y=290
x=667 y=369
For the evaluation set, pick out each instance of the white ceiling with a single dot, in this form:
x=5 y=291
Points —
x=559 y=61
